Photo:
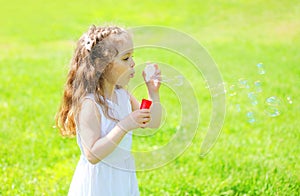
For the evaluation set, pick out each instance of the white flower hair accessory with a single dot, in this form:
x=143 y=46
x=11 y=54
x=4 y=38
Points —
x=88 y=43
x=105 y=33
x=97 y=34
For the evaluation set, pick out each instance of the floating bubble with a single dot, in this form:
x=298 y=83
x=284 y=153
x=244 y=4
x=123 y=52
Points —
x=261 y=69
x=289 y=99
x=250 y=117
x=238 y=107
x=258 y=87
x=272 y=106
x=243 y=83
x=216 y=89
x=231 y=90
x=176 y=80
x=4 y=104
x=253 y=98
x=149 y=71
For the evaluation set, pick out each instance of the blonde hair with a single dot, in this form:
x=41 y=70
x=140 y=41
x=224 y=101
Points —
x=90 y=64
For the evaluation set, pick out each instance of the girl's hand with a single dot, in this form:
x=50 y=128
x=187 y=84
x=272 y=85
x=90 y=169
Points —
x=154 y=83
x=136 y=119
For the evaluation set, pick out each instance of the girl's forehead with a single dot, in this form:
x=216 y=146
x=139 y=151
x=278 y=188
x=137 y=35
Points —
x=125 y=47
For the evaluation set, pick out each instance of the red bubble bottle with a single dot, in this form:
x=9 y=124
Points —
x=145 y=104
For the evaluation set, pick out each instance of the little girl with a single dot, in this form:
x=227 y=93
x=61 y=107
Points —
x=101 y=113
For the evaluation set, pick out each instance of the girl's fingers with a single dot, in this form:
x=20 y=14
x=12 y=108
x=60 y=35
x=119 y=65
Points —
x=158 y=72
x=145 y=111
x=145 y=115
x=144 y=125
x=144 y=74
x=146 y=119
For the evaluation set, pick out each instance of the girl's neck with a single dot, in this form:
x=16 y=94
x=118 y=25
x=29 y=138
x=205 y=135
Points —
x=109 y=89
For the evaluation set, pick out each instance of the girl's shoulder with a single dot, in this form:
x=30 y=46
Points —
x=90 y=97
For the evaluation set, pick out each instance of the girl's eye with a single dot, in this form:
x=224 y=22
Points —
x=127 y=58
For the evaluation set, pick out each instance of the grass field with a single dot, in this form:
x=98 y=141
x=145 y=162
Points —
x=37 y=39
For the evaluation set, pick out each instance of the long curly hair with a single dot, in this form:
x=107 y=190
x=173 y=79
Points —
x=91 y=62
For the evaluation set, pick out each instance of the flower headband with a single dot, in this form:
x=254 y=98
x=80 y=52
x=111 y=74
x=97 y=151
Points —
x=99 y=35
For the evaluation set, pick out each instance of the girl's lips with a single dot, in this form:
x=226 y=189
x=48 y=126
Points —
x=132 y=75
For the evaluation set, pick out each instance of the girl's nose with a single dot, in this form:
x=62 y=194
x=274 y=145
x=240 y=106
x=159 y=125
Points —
x=132 y=63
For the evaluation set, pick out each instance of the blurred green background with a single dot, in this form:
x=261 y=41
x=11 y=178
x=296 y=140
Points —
x=37 y=39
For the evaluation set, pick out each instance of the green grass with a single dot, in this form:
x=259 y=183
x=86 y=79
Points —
x=37 y=39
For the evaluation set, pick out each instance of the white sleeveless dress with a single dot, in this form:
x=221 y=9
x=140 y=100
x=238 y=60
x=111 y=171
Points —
x=115 y=174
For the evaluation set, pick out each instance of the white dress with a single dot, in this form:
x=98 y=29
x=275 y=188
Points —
x=115 y=174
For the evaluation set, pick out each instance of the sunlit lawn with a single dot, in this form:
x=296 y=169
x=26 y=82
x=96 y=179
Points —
x=37 y=40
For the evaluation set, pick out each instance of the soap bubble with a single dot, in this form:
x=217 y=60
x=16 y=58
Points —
x=258 y=87
x=176 y=80
x=231 y=90
x=238 y=107
x=253 y=98
x=243 y=83
x=261 y=69
x=179 y=80
x=149 y=71
x=272 y=106
x=216 y=89
x=161 y=39
x=250 y=117
x=289 y=99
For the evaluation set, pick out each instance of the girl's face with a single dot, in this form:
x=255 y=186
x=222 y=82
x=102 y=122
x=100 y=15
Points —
x=123 y=64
